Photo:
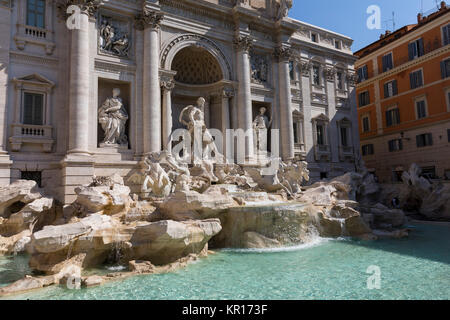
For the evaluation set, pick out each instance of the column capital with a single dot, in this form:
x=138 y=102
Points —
x=227 y=92
x=148 y=19
x=283 y=54
x=243 y=42
x=352 y=78
x=88 y=7
x=167 y=84
x=305 y=67
x=329 y=73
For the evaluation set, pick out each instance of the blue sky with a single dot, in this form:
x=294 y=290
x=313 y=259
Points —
x=349 y=17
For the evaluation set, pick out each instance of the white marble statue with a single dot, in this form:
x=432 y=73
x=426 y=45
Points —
x=261 y=125
x=112 y=117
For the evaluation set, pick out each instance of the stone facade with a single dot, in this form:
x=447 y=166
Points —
x=162 y=55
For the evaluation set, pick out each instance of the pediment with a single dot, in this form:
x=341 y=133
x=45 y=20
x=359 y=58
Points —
x=35 y=78
x=321 y=117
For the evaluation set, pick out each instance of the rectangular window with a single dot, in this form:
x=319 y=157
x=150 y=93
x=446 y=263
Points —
x=392 y=117
x=448 y=134
x=395 y=145
x=337 y=44
x=33 y=108
x=291 y=70
x=416 y=79
x=445 y=68
x=339 y=78
x=421 y=109
x=296 y=137
x=316 y=75
x=390 y=89
x=446 y=34
x=314 y=37
x=344 y=139
x=367 y=149
x=366 y=124
x=320 y=135
x=388 y=64
x=416 y=49
x=364 y=99
x=424 y=140
x=36 y=13
x=363 y=73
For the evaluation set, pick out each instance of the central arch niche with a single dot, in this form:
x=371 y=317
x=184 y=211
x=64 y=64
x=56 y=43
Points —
x=196 y=66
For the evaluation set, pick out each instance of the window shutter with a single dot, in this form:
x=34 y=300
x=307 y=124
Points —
x=384 y=64
x=429 y=138
x=28 y=109
x=411 y=51
x=365 y=72
x=421 y=47
x=443 y=70
x=386 y=90
x=446 y=31
x=418 y=141
x=411 y=80
x=419 y=80
x=388 y=119
x=400 y=144
x=397 y=115
x=394 y=87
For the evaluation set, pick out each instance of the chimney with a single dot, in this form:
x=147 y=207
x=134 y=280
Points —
x=443 y=5
x=419 y=17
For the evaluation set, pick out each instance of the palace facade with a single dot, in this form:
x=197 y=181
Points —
x=61 y=63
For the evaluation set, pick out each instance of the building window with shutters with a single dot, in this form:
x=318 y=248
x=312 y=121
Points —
x=421 y=108
x=367 y=149
x=31 y=118
x=445 y=68
x=364 y=99
x=388 y=63
x=416 y=49
x=390 y=89
x=395 y=145
x=447 y=97
x=424 y=140
x=446 y=35
x=363 y=73
x=392 y=117
x=33 y=108
x=448 y=135
x=365 y=123
x=416 y=79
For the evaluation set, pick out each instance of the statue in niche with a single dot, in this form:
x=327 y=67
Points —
x=112 y=117
x=261 y=125
x=112 y=40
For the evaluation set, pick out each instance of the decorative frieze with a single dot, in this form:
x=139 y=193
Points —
x=352 y=78
x=148 y=19
x=242 y=42
x=167 y=83
x=228 y=92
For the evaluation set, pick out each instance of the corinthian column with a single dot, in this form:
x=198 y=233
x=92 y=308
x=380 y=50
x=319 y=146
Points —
x=227 y=94
x=167 y=86
x=79 y=78
x=284 y=54
x=243 y=45
x=150 y=21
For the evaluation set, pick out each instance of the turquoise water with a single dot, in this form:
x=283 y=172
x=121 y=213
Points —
x=417 y=267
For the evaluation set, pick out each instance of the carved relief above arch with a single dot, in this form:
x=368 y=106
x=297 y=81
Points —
x=180 y=42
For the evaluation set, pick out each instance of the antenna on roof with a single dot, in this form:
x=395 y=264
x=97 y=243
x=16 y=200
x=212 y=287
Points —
x=391 y=20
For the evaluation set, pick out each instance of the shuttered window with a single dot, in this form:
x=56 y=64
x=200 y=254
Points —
x=424 y=140
x=390 y=89
x=367 y=149
x=416 y=49
x=33 y=108
x=421 y=109
x=446 y=34
x=392 y=117
x=363 y=74
x=445 y=68
x=415 y=79
x=366 y=124
x=364 y=99
x=395 y=145
x=388 y=64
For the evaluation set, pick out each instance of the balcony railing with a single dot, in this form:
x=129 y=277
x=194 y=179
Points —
x=31 y=134
x=36 y=32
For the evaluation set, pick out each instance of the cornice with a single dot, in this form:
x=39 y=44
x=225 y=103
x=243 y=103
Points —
x=405 y=66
